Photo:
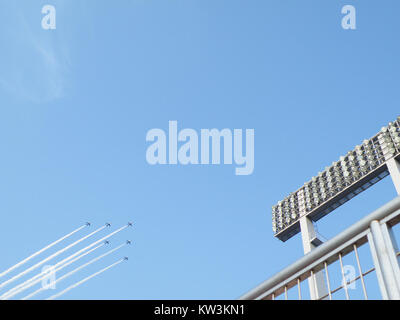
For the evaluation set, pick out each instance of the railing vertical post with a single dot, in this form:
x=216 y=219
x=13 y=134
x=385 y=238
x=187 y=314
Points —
x=360 y=271
x=344 y=280
x=390 y=246
x=327 y=280
x=299 y=288
x=384 y=261
x=378 y=270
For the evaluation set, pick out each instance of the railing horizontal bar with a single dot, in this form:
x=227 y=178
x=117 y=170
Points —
x=362 y=225
x=329 y=258
x=369 y=271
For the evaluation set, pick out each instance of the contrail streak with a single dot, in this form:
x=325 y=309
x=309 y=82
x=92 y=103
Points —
x=40 y=276
x=84 y=280
x=73 y=255
x=2 y=274
x=73 y=271
x=49 y=258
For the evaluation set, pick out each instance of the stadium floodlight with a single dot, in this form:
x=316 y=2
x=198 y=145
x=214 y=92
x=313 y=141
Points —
x=355 y=172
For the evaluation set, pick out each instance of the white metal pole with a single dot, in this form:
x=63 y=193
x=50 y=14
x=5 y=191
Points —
x=316 y=282
x=394 y=170
x=390 y=246
x=388 y=275
x=378 y=270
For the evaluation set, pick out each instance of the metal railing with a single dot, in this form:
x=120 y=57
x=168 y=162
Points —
x=375 y=229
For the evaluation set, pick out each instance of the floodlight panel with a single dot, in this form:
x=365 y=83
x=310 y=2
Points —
x=354 y=173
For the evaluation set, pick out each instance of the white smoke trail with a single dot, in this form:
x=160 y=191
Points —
x=84 y=280
x=76 y=253
x=2 y=274
x=49 y=258
x=40 y=276
x=74 y=271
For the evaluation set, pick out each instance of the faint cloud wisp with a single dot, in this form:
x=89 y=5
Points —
x=35 y=65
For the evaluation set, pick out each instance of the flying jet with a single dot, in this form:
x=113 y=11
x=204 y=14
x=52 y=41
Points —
x=125 y=258
x=108 y=224
x=128 y=241
x=130 y=224
x=88 y=224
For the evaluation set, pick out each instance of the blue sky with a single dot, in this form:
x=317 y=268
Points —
x=76 y=104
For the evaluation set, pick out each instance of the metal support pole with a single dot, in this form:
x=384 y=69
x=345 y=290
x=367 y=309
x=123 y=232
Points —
x=393 y=240
x=392 y=164
x=390 y=246
x=394 y=170
x=377 y=267
x=316 y=282
x=384 y=262
x=307 y=233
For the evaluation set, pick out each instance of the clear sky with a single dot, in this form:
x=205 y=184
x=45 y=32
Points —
x=76 y=104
